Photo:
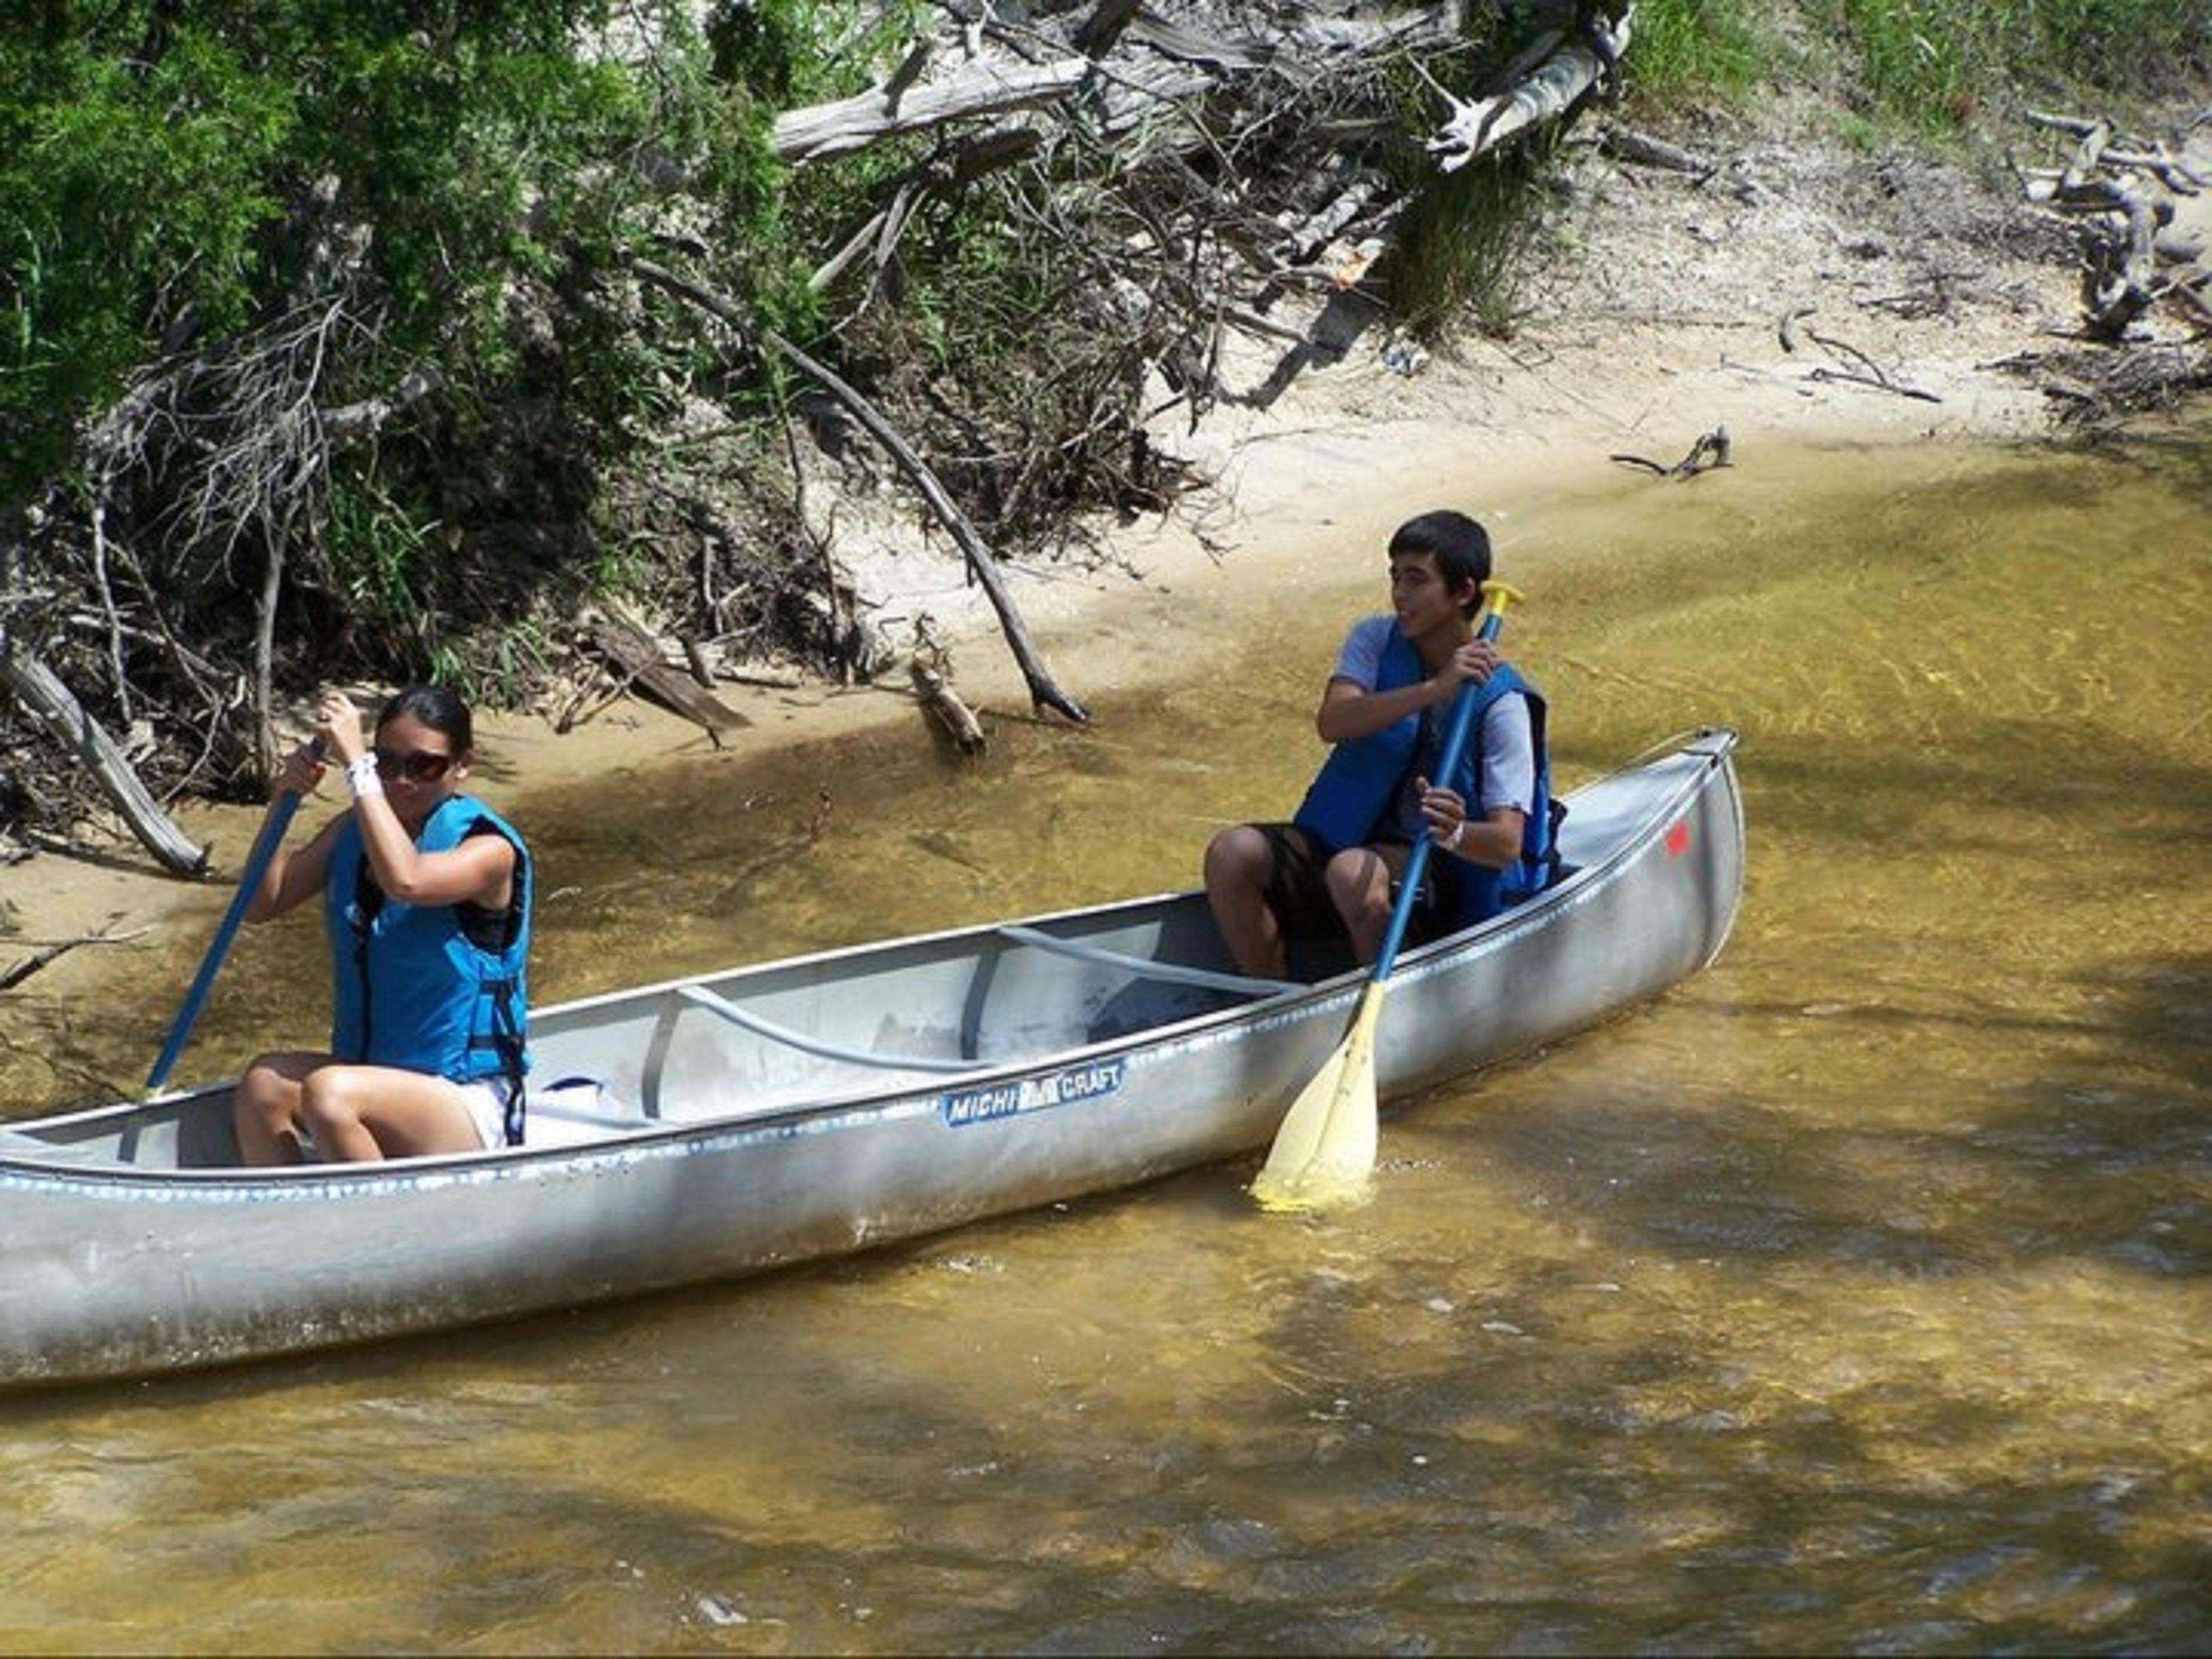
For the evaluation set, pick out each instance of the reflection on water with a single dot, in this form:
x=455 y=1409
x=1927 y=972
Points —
x=1854 y=1296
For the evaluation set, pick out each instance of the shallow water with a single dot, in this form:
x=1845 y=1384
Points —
x=1855 y=1296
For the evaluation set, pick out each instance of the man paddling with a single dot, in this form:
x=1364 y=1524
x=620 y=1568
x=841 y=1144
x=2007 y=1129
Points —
x=1329 y=872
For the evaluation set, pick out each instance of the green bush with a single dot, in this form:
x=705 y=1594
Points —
x=1930 y=66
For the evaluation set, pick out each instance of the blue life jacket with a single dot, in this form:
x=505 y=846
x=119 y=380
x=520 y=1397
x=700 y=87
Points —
x=433 y=987
x=1353 y=797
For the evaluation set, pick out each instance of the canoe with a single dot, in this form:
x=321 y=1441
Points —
x=735 y=1122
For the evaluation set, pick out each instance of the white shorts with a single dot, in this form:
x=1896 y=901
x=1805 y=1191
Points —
x=487 y=1103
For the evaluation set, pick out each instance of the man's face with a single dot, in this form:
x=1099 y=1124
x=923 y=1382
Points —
x=1419 y=593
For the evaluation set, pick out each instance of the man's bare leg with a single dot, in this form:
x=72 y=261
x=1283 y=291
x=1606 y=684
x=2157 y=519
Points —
x=1239 y=863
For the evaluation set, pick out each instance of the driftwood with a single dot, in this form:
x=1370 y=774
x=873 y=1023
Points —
x=2146 y=219
x=1170 y=60
x=1549 y=91
x=1710 y=451
x=1857 y=367
x=695 y=658
x=2093 y=386
x=769 y=679
x=43 y=696
x=17 y=972
x=595 y=680
x=980 y=89
x=943 y=701
x=634 y=650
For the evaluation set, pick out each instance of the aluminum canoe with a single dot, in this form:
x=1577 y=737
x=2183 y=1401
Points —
x=735 y=1122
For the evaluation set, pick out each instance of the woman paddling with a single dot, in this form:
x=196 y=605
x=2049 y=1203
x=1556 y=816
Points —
x=425 y=898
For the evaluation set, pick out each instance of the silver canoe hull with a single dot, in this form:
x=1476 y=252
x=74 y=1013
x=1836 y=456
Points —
x=803 y=1109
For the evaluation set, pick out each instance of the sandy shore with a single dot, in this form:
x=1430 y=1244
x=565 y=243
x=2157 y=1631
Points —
x=1671 y=334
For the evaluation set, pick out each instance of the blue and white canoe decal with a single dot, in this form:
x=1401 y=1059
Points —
x=1091 y=1081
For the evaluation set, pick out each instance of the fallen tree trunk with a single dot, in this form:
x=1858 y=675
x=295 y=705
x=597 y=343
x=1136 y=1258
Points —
x=2147 y=220
x=1546 y=93
x=41 y=694
x=822 y=131
x=1044 y=690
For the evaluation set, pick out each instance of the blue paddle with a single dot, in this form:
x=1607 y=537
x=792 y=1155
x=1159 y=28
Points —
x=1325 y=1149
x=257 y=866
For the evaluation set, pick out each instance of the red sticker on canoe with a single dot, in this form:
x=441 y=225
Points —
x=1678 y=840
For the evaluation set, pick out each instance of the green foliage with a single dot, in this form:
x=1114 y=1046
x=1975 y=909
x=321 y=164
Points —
x=1928 y=66
x=389 y=569
x=1689 y=49
x=459 y=180
x=131 y=194
x=172 y=174
x=1462 y=240
x=788 y=53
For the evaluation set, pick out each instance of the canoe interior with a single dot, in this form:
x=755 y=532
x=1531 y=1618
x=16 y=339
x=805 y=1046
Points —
x=847 y=1026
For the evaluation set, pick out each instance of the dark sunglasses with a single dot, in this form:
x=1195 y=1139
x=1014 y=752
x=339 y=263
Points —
x=419 y=767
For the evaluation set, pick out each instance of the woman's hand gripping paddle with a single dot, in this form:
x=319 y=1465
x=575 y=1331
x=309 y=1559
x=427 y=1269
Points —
x=1325 y=1150
x=257 y=866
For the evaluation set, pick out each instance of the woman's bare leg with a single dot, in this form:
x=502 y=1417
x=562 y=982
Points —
x=359 y=1113
x=264 y=1111
x=354 y=1113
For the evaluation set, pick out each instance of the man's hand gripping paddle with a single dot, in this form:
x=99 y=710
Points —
x=1324 y=1152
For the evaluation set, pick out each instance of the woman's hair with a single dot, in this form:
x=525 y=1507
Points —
x=436 y=707
x=1459 y=546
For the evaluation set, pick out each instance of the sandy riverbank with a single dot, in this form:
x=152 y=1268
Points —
x=1658 y=321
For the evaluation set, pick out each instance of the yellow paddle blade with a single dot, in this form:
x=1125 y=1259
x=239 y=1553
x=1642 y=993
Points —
x=1325 y=1150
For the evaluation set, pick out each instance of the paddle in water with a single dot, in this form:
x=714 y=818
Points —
x=1324 y=1152
x=257 y=866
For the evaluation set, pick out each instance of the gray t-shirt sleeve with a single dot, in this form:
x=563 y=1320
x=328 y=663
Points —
x=1509 y=757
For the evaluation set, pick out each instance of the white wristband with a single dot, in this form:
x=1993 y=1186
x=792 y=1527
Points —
x=1451 y=841
x=361 y=778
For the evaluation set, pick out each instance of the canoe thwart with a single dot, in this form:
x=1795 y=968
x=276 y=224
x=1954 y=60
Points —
x=1146 y=968
x=699 y=996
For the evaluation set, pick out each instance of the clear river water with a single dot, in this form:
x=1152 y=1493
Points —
x=1856 y=1296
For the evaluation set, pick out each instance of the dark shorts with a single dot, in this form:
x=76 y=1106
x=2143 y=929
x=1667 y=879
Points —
x=1298 y=889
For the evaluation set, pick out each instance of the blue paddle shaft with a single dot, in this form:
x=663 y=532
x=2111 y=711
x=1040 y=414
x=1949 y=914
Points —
x=257 y=866
x=1417 y=861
